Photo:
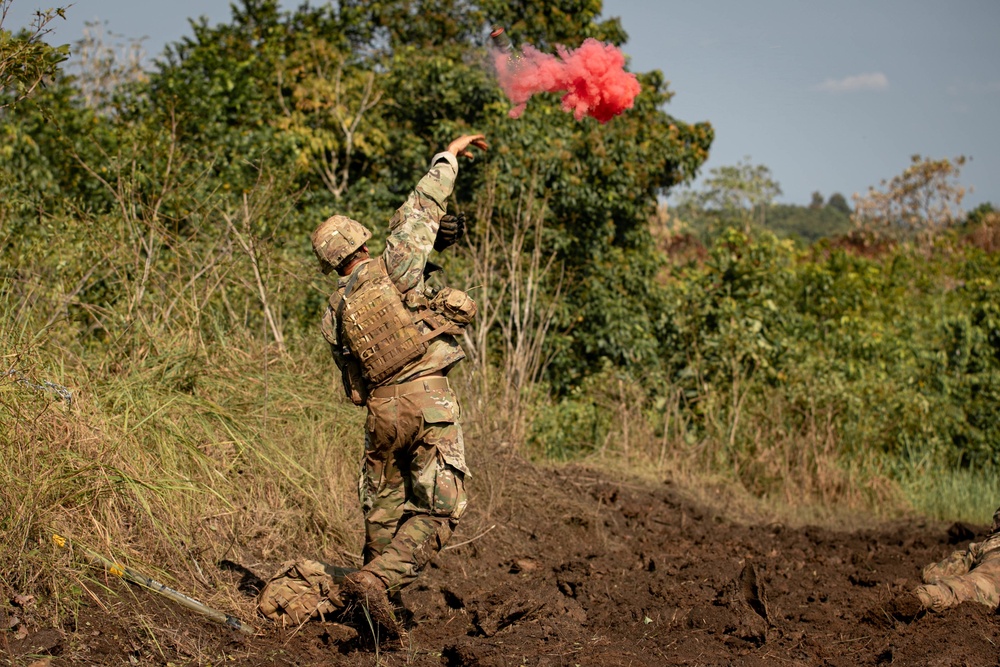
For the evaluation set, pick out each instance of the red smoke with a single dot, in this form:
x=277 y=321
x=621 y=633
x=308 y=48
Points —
x=592 y=76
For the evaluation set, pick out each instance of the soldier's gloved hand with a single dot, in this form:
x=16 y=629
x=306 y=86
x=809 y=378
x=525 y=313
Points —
x=450 y=232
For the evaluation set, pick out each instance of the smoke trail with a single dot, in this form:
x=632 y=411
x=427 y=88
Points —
x=592 y=77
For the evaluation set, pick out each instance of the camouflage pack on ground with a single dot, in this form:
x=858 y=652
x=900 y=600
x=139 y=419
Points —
x=969 y=574
x=300 y=590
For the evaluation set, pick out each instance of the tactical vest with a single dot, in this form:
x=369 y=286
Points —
x=378 y=329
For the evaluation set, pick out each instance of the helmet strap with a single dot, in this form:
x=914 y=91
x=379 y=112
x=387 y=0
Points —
x=356 y=258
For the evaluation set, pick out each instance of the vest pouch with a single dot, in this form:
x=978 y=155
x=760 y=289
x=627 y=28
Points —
x=455 y=305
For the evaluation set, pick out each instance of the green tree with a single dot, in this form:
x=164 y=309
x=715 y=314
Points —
x=545 y=24
x=733 y=195
x=220 y=86
x=26 y=59
x=337 y=109
x=806 y=223
x=328 y=103
x=839 y=202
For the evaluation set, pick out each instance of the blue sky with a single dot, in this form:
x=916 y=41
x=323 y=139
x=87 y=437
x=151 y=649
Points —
x=831 y=96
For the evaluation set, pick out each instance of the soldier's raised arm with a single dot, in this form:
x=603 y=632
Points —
x=414 y=226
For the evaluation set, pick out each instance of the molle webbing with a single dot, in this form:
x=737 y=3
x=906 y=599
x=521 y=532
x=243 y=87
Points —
x=377 y=328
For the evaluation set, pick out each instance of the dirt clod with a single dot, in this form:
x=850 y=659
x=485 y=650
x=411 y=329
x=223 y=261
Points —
x=502 y=607
x=746 y=600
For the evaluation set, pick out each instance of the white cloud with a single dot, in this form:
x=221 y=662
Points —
x=856 y=83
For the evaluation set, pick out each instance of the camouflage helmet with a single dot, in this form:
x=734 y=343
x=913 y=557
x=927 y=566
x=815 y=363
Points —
x=337 y=238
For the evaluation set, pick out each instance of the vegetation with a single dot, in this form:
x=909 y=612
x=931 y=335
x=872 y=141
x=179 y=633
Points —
x=25 y=58
x=743 y=195
x=808 y=224
x=166 y=396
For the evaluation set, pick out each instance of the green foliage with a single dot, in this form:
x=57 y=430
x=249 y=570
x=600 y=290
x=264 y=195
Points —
x=839 y=202
x=888 y=365
x=728 y=317
x=575 y=425
x=421 y=24
x=807 y=224
x=26 y=59
x=566 y=22
x=731 y=195
x=219 y=89
x=980 y=214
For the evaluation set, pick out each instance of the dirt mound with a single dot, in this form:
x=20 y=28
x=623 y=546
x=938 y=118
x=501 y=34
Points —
x=569 y=567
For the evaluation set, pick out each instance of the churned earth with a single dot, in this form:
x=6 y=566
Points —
x=572 y=567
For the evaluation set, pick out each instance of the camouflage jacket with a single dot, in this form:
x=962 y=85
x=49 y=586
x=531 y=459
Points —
x=412 y=231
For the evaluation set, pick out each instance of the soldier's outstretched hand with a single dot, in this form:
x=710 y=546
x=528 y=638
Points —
x=460 y=147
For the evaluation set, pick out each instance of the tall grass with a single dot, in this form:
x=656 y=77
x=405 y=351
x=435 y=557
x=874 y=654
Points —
x=969 y=495
x=787 y=456
x=195 y=454
x=203 y=425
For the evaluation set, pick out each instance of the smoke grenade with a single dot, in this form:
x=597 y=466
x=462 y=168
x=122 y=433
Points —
x=592 y=77
x=501 y=40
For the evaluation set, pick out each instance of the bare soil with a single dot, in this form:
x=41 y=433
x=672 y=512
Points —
x=572 y=567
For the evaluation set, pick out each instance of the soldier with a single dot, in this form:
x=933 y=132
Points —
x=393 y=340
x=970 y=574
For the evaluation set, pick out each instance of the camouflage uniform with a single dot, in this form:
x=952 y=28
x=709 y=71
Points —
x=412 y=482
x=970 y=574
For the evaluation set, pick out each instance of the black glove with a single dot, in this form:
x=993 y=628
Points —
x=450 y=232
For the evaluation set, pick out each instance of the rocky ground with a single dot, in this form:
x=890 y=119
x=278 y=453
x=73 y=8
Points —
x=572 y=567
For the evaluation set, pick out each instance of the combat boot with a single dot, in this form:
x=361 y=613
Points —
x=366 y=589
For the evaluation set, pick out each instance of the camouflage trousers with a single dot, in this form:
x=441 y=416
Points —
x=412 y=483
x=972 y=574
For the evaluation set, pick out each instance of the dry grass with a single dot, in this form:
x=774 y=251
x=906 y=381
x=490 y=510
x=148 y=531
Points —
x=190 y=458
x=200 y=428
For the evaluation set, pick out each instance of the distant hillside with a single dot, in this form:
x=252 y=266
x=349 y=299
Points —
x=807 y=223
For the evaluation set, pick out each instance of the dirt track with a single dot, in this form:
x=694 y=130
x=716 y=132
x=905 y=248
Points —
x=581 y=570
